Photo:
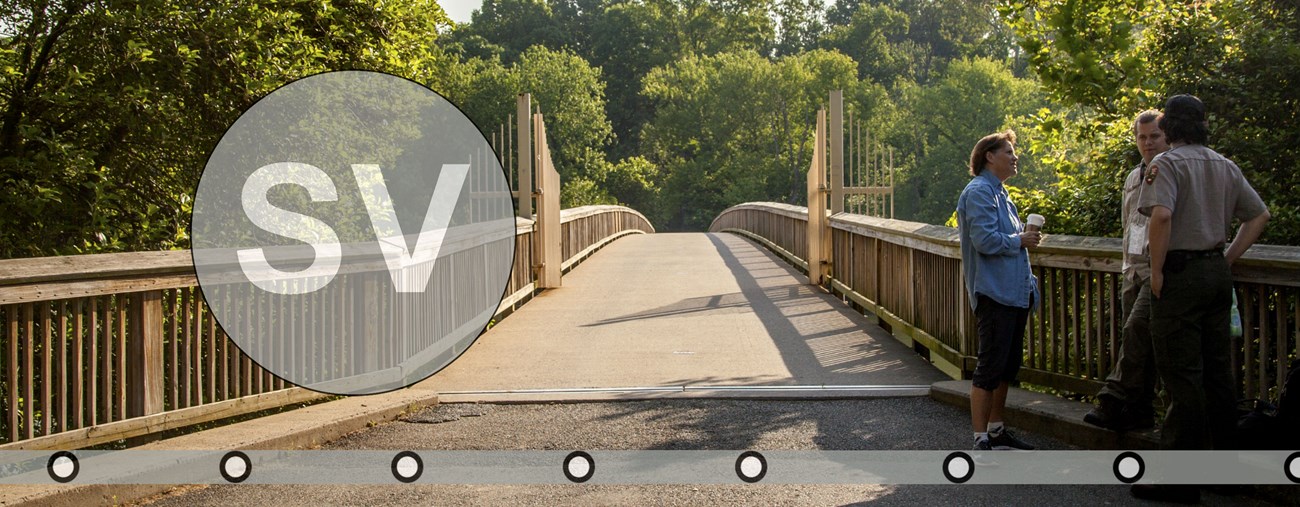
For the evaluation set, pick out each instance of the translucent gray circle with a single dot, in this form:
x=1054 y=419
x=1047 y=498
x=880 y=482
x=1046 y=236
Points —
x=353 y=232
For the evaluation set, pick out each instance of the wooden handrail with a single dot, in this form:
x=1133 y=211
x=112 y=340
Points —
x=94 y=310
x=909 y=275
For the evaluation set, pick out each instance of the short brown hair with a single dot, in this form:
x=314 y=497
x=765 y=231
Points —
x=1147 y=116
x=987 y=144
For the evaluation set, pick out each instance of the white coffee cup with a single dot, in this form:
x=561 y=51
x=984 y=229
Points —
x=1034 y=222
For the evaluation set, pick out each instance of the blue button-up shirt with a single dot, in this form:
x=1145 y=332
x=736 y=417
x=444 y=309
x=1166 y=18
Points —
x=993 y=262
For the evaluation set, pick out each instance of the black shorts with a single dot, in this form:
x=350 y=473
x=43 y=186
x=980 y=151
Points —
x=1001 y=331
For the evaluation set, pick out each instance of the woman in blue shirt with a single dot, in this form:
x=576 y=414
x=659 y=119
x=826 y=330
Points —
x=1001 y=288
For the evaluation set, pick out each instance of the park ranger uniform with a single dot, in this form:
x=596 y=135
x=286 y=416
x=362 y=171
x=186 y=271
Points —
x=1133 y=380
x=1189 y=322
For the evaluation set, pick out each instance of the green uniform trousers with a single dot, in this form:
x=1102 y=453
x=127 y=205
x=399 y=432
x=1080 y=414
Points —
x=1133 y=380
x=1190 y=340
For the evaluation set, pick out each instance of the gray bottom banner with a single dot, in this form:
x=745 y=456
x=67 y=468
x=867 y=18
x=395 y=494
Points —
x=648 y=467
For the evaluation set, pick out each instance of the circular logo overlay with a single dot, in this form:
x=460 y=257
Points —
x=353 y=232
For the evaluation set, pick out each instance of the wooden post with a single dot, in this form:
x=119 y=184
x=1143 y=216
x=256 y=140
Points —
x=836 y=117
x=891 y=182
x=144 y=381
x=817 y=204
x=548 y=241
x=524 y=118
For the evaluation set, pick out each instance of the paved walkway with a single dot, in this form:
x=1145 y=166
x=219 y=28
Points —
x=685 y=312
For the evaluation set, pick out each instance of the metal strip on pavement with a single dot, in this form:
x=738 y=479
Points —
x=784 y=392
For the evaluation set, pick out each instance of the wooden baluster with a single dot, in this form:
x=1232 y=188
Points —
x=78 y=365
x=175 y=309
x=120 y=402
x=12 y=369
x=47 y=372
x=1262 y=360
x=187 y=342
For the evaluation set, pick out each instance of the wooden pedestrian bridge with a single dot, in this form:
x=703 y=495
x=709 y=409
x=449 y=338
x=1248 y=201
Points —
x=722 y=310
x=97 y=349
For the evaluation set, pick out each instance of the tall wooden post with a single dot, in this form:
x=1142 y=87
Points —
x=817 y=203
x=836 y=133
x=547 y=241
x=524 y=120
x=144 y=381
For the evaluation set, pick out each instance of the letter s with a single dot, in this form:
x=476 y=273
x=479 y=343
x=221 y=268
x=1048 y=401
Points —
x=289 y=224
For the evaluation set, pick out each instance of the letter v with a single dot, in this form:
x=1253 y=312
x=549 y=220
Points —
x=374 y=192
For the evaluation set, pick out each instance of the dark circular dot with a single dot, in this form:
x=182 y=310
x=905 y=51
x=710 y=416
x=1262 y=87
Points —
x=231 y=465
x=1129 y=467
x=579 y=467
x=63 y=467
x=402 y=464
x=746 y=464
x=958 y=467
x=1291 y=467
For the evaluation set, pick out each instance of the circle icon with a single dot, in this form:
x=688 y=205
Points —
x=579 y=467
x=63 y=467
x=1291 y=467
x=751 y=466
x=353 y=232
x=958 y=467
x=235 y=467
x=407 y=466
x=1129 y=467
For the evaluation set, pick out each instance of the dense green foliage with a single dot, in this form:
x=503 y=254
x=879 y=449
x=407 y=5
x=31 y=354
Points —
x=108 y=109
x=678 y=108
x=1241 y=57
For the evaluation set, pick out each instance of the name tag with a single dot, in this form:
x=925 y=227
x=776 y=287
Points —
x=1137 y=240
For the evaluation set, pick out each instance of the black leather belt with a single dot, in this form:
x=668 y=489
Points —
x=1195 y=254
x=1176 y=260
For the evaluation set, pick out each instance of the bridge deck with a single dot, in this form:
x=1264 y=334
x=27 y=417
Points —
x=683 y=310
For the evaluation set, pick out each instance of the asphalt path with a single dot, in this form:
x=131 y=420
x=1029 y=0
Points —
x=708 y=424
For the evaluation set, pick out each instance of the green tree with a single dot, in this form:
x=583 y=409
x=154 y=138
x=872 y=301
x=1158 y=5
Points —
x=570 y=94
x=110 y=108
x=801 y=25
x=973 y=98
x=873 y=37
x=736 y=127
x=505 y=28
x=1110 y=59
x=915 y=39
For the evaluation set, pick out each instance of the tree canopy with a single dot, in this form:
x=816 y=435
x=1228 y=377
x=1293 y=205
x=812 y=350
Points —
x=678 y=108
x=109 y=109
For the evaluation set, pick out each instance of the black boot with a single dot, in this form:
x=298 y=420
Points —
x=1136 y=417
x=1108 y=414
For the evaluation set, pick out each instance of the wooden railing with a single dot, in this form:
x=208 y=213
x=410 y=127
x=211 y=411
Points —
x=588 y=228
x=909 y=275
x=77 y=335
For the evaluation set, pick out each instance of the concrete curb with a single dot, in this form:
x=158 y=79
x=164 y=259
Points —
x=1050 y=415
x=296 y=429
x=750 y=393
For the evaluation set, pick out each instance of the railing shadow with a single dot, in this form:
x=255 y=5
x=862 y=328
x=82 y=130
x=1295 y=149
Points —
x=831 y=346
x=806 y=344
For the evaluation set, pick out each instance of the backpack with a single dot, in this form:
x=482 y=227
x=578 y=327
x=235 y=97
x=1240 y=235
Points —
x=1264 y=426
x=1288 y=402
